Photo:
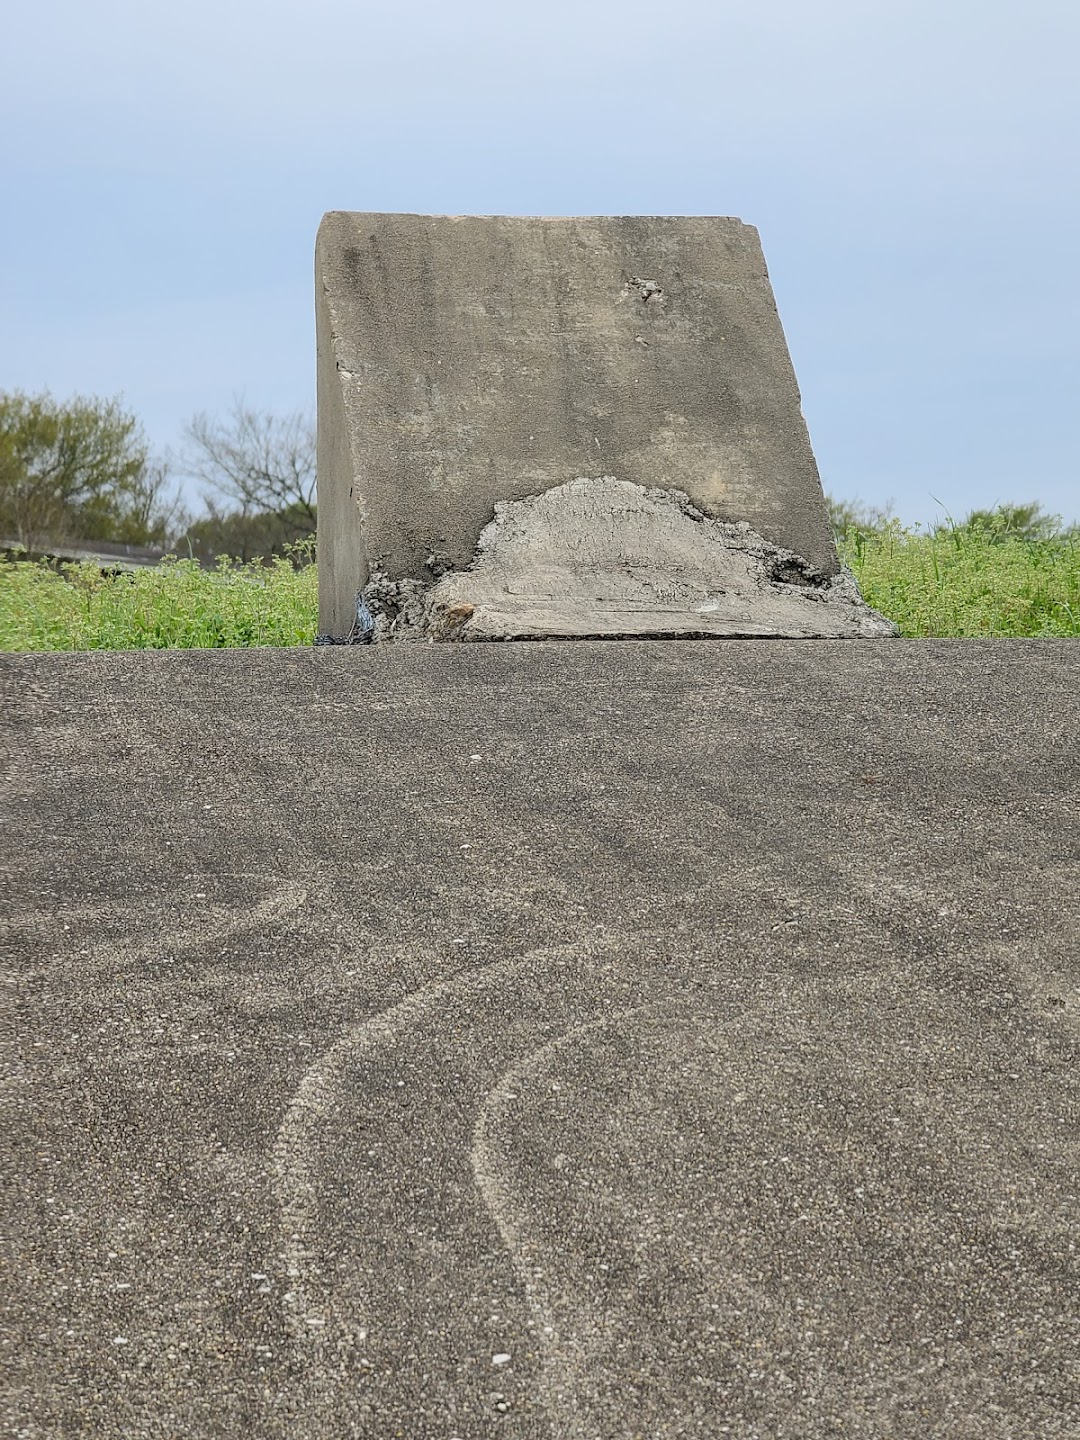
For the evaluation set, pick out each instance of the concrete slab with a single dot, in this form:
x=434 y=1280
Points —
x=464 y=360
x=654 y=1039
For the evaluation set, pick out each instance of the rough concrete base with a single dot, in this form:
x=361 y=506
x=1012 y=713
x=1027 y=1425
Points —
x=606 y=559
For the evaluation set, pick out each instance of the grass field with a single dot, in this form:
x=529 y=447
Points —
x=960 y=580
x=176 y=605
x=955 y=580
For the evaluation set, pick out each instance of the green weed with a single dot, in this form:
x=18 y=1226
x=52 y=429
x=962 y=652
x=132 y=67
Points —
x=177 y=605
x=955 y=580
x=968 y=579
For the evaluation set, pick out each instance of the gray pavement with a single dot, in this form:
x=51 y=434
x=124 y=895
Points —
x=542 y=1041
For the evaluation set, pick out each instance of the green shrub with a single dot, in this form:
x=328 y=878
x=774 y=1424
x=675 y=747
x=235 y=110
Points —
x=971 y=579
x=175 y=605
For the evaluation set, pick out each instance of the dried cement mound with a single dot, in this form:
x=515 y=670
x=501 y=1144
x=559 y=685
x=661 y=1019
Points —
x=604 y=558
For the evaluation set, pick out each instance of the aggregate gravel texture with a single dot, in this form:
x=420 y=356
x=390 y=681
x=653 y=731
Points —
x=542 y=1041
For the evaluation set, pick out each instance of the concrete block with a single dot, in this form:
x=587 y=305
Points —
x=466 y=360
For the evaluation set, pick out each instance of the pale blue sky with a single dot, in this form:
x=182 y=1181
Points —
x=912 y=167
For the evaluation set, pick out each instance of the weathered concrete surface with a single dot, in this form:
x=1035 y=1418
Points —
x=600 y=558
x=468 y=359
x=694 y=1024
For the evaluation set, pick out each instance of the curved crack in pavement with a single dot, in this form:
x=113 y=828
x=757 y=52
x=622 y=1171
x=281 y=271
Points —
x=369 y=1322
x=557 y=1377
x=739 y=1202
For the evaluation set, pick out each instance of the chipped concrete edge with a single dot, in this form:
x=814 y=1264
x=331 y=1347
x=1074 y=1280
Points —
x=761 y=589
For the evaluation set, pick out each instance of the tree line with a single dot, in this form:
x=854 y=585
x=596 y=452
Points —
x=1027 y=521
x=82 y=469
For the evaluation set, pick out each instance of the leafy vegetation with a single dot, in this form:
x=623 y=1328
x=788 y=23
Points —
x=81 y=469
x=1012 y=571
x=1009 y=571
x=175 y=605
x=77 y=468
x=968 y=580
x=261 y=534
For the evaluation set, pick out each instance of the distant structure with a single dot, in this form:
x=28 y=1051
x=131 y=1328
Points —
x=108 y=554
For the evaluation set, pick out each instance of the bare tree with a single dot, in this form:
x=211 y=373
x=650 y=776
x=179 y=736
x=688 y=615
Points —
x=152 y=514
x=260 y=462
